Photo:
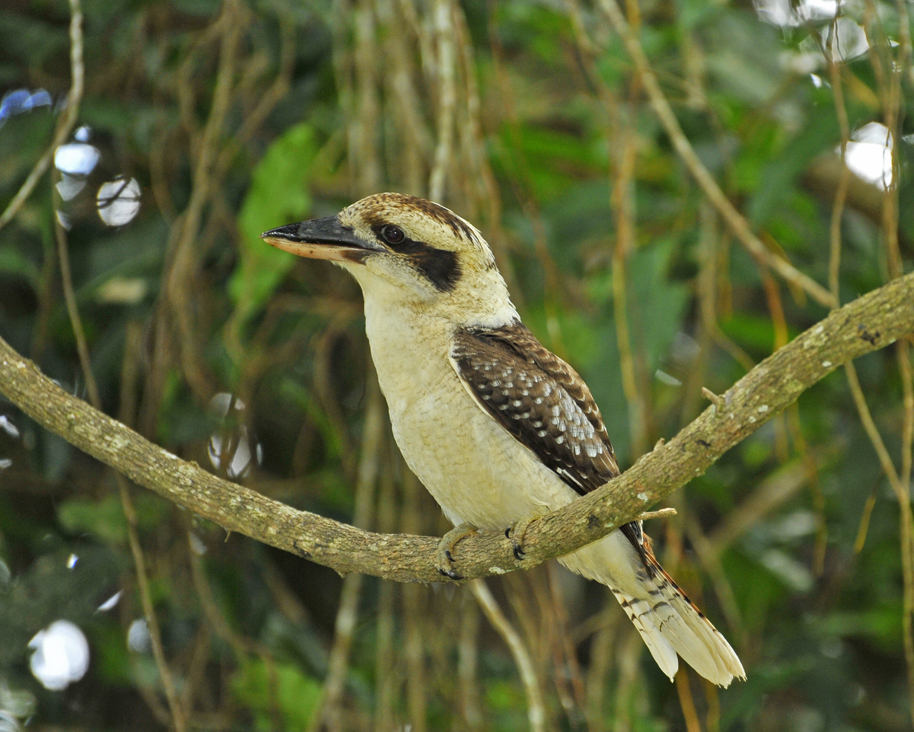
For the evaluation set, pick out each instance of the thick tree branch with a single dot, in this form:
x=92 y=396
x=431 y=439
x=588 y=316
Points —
x=867 y=324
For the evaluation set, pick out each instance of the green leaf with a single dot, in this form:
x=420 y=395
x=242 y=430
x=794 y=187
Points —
x=278 y=195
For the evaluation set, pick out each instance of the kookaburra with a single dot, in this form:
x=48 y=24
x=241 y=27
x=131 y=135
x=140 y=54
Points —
x=496 y=427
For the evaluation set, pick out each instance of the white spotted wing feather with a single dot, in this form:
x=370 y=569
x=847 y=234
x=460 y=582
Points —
x=547 y=407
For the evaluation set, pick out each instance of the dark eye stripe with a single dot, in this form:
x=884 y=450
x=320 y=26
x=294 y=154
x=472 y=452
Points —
x=439 y=266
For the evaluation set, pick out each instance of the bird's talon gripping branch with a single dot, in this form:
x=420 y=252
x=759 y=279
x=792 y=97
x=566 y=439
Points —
x=517 y=532
x=447 y=544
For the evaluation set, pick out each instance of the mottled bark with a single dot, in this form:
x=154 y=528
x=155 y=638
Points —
x=869 y=323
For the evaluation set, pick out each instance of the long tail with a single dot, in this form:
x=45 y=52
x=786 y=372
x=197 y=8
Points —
x=669 y=623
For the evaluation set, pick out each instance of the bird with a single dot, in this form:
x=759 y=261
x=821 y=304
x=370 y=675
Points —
x=496 y=427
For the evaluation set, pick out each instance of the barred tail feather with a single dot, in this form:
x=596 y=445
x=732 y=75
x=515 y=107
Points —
x=641 y=615
x=669 y=623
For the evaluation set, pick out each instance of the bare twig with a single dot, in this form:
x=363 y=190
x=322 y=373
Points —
x=728 y=212
x=444 y=38
x=171 y=694
x=184 y=247
x=414 y=629
x=686 y=702
x=468 y=650
x=536 y=709
x=659 y=513
x=347 y=614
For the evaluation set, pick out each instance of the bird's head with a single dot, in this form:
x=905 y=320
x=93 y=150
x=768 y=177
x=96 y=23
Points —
x=406 y=251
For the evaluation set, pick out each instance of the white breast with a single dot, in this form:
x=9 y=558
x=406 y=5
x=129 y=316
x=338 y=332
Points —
x=478 y=472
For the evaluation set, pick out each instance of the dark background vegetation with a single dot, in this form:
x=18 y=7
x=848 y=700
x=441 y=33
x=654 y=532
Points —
x=531 y=120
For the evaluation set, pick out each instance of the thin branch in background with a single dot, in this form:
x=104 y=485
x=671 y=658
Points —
x=629 y=648
x=342 y=60
x=386 y=678
x=241 y=646
x=414 y=614
x=712 y=716
x=889 y=83
x=323 y=393
x=837 y=212
x=177 y=712
x=905 y=55
x=865 y=515
x=602 y=652
x=184 y=248
x=890 y=96
x=536 y=709
x=565 y=645
x=622 y=203
x=447 y=99
x=330 y=708
x=621 y=136
x=737 y=223
x=67 y=120
x=835 y=244
x=530 y=604
x=686 y=702
x=365 y=125
x=127 y=413
x=905 y=518
x=781 y=338
x=403 y=100
x=416 y=671
x=710 y=278
x=521 y=185
x=473 y=145
x=468 y=667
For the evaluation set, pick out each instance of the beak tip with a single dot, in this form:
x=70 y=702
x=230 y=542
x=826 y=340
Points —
x=281 y=232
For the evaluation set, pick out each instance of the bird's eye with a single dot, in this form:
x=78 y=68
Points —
x=392 y=234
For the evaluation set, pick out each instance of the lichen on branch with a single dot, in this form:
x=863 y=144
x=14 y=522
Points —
x=867 y=324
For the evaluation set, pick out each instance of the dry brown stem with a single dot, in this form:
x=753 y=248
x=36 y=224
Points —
x=737 y=223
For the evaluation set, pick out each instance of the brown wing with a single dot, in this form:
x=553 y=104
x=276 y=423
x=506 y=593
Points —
x=539 y=399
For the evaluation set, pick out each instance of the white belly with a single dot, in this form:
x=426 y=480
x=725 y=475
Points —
x=476 y=471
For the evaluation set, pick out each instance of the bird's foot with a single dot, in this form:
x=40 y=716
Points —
x=517 y=532
x=446 y=548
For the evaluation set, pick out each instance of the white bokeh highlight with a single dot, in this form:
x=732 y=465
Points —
x=869 y=154
x=76 y=158
x=61 y=655
x=118 y=201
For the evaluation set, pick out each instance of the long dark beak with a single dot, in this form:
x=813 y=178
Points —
x=323 y=238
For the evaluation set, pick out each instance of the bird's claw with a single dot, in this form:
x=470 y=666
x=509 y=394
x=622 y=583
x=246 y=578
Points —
x=517 y=532
x=445 y=546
